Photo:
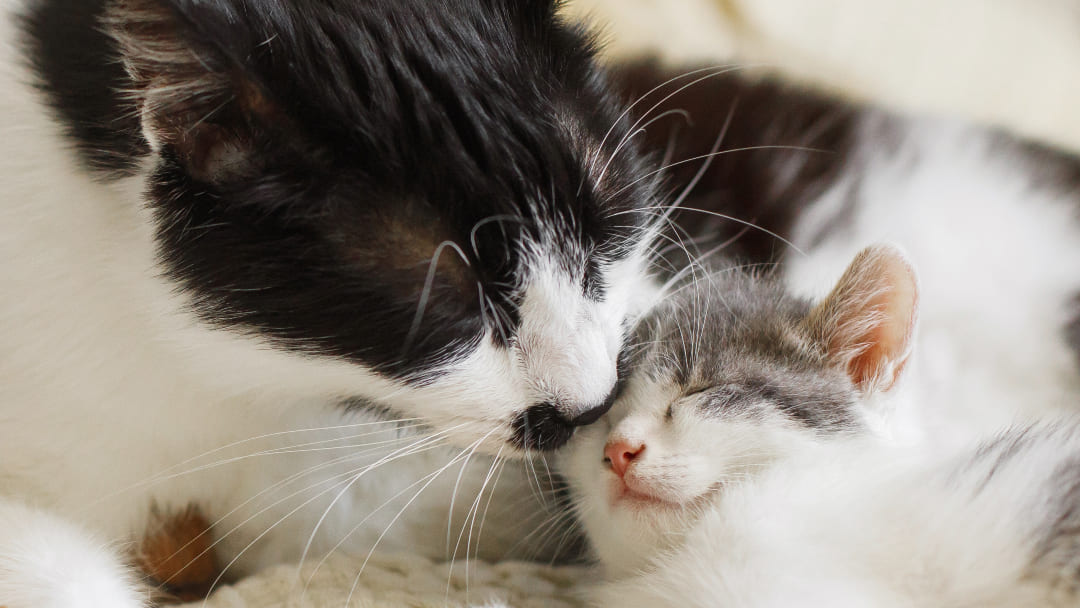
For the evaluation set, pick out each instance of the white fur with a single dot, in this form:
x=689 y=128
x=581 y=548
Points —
x=48 y=563
x=857 y=525
x=998 y=257
x=684 y=460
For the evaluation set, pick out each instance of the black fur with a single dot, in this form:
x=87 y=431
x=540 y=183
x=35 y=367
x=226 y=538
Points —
x=302 y=193
x=802 y=139
x=79 y=71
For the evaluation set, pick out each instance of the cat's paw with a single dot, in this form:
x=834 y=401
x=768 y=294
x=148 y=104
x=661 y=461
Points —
x=46 y=562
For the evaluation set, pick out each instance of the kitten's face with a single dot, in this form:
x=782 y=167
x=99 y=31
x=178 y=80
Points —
x=729 y=377
x=424 y=192
x=723 y=387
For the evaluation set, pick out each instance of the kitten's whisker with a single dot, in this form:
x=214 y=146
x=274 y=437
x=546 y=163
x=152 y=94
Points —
x=748 y=225
x=640 y=131
x=706 y=163
x=633 y=128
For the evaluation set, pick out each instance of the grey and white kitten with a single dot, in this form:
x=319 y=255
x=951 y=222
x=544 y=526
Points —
x=748 y=463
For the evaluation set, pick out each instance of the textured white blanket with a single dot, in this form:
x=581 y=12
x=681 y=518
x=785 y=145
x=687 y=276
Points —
x=1015 y=63
x=400 y=581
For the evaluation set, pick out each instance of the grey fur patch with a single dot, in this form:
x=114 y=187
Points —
x=1057 y=555
x=740 y=339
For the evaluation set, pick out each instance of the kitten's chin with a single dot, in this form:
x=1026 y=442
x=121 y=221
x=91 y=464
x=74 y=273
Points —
x=644 y=502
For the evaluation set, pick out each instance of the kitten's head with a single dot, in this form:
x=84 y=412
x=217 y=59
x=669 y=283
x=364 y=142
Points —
x=728 y=376
x=419 y=189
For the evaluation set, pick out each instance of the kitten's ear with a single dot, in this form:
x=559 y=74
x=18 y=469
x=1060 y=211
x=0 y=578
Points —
x=194 y=98
x=867 y=324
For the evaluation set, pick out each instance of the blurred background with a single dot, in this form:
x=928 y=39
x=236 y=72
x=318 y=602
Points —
x=1012 y=63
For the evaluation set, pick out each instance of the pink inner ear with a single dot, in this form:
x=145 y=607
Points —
x=875 y=305
x=880 y=364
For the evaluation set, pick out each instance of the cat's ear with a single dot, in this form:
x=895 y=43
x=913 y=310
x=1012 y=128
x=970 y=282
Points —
x=866 y=325
x=194 y=98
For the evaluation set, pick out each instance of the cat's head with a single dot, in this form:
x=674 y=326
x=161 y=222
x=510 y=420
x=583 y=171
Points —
x=432 y=192
x=729 y=376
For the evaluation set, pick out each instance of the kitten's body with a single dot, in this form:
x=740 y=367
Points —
x=751 y=462
x=858 y=524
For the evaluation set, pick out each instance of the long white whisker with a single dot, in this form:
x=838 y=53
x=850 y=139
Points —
x=376 y=464
x=164 y=474
x=710 y=155
x=429 y=283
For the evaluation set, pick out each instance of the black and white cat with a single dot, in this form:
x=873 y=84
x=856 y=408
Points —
x=238 y=235
x=745 y=464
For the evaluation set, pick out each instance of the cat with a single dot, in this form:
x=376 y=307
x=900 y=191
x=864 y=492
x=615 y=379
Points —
x=748 y=463
x=254 y=249
x=342 y=237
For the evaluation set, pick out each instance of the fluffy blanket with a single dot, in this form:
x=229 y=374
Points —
x=404 y=581
x=1015 y=63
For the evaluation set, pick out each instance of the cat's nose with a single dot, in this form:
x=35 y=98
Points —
x=591 y=414
x=620 y=454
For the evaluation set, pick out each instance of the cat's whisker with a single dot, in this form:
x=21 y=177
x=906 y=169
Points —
x=634 y=127
x=349 y=485
x=685 y=161
x=473 y=512
x=425 y=480
x=433 y=477
x=278 y=522
x=453 y=497
x=422 y=444
x=165 y=474
x=630 y=108
x=429 y=284
x=279 y=484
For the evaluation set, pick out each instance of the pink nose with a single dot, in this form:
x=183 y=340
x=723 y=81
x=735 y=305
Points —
x=620 y=455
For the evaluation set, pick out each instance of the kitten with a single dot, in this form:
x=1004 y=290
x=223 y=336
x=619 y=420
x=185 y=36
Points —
x=747 y=464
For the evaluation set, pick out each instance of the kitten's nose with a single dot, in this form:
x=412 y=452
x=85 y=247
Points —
x=621 y=454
